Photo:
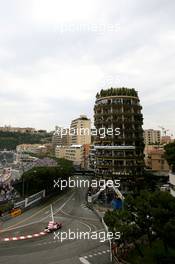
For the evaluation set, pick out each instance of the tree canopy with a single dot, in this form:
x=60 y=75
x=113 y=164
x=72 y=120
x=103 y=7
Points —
x=170 y=154
x=149 y=214
x=9 y=140
x=39 y=178
x=123 y=91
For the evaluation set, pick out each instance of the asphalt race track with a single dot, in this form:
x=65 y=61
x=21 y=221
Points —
x=71 y=210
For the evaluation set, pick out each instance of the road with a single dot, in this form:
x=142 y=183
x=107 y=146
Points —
x=71 y=210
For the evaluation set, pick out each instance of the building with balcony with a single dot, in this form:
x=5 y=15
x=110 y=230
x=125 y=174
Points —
x=92 y=153
x=80 y=130
x=61 y=138
x=74 y=153
x=33 y=148
x=152 y=137
x=155 y=160
x=119 y=154
x=74 y=143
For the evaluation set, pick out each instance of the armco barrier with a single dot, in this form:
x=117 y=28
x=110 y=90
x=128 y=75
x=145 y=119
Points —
x=20 y=204
x=24 y=205
x=30 y=200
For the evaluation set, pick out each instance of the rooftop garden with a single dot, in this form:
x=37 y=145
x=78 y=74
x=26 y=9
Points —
x=117 y=92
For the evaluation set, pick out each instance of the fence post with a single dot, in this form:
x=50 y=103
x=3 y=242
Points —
x=26 y=202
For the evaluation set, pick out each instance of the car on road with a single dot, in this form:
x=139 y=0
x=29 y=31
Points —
x=52 y=226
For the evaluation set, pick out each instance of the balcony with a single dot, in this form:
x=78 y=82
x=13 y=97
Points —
x=116 y=147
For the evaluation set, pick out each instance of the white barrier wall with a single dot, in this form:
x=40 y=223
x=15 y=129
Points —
x=31 y=199
x=172 y=178
x=172 y=183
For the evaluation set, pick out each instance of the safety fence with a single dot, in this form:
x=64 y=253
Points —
x=30 y=200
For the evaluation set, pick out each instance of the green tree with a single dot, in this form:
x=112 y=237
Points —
x=170 y=154
x=39 y=178
x=9 y=140
x=150 y=214
x=162 y=210
x=169 y=234
x=123 y=221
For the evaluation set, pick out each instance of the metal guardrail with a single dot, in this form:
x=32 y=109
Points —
x=20 y=204
x=30 y=200
x=25 y=204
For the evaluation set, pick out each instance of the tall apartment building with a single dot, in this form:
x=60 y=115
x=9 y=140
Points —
x=56 y=138
x=60 y=139
x=121 y=155
x=80 y=131
x=74 y=153
x=75 y=144
x=152 y=137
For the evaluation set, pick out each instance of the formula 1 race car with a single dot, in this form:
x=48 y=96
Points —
x=52 y=226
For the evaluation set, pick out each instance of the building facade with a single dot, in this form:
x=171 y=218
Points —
x=120 y=155
x=18 y=129
x=166 y=140
x=33 y=148
x=61 y=138
x=155 y=160
x=80 y=130
x=74 y=143
x=74 y=153
x=152 y=136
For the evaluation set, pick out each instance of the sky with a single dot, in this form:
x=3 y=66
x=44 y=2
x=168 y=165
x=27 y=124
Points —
x=56 y=55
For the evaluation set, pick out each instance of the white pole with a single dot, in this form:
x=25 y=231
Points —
x=51 y=208
x=110 y=248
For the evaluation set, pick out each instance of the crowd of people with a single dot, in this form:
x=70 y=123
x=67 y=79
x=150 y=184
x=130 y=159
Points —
x=6 y=192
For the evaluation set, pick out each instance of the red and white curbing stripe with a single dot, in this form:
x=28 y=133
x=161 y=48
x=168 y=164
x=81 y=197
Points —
x=6 y=239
